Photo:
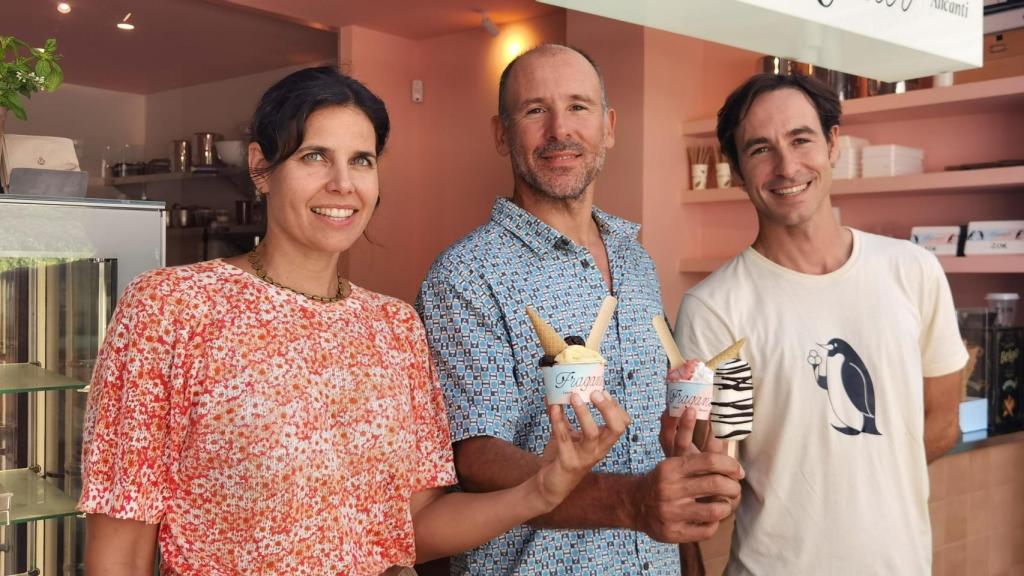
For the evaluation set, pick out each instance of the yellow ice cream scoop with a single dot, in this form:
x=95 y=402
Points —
x=576 y=354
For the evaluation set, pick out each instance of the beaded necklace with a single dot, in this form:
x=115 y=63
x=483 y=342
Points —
x=256 y=261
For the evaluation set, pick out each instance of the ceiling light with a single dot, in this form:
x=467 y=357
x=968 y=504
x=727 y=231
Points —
x=63 y=7
x=488 y=24
x=124 y=24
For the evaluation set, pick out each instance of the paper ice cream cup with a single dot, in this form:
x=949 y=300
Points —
x=561 y=380
x=696 y=395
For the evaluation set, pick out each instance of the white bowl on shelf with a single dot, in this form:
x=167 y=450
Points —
x=231 y=152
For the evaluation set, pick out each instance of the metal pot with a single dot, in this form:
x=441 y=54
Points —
x=181 y=156
x=205 y=150
x=777 y=65
x=181 y=217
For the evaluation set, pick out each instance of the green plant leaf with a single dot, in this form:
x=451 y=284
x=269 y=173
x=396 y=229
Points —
x=56 y=77
x=25 y=69
x=16 y=109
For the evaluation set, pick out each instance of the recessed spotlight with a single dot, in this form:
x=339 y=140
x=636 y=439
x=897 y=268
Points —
x=124 y=24
x=63 y=7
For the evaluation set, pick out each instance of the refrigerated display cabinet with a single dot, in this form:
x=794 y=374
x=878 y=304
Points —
x=63 y=264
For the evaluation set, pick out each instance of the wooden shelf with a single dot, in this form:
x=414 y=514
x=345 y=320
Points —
x=953 y=182
x=978 y=264
x=1003 y=95
x=984 y=264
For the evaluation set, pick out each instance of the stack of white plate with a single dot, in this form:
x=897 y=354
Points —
x=891 y=160
x=848 y=164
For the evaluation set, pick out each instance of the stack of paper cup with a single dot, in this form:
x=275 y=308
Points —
x=848 y=164
x=891 y=160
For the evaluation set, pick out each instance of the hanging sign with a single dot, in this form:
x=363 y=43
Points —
x=889 y=40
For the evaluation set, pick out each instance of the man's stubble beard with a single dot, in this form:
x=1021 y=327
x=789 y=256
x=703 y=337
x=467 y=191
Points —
x=549 y=187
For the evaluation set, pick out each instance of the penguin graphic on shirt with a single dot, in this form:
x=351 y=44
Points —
x=851 y=394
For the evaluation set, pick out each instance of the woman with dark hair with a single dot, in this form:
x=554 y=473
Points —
x=260 y=414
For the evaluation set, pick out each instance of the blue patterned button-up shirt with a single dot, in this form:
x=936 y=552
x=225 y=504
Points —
x=473 y=305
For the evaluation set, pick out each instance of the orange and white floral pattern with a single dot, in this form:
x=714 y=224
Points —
x=264 y=432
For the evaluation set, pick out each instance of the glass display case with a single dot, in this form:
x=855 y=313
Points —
x=62 y=266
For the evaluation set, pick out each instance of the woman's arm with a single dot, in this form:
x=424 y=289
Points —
x=116 y=547
x=446 y=523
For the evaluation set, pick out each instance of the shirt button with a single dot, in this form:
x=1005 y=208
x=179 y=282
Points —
x=630 y=374
x=585 y=264
x=634 y=438
x=646 y=566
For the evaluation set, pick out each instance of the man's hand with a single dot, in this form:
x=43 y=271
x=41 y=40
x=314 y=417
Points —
x=688 y=494
x=570 y=455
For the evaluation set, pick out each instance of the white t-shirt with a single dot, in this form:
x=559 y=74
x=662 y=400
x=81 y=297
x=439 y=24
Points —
x=837 y=479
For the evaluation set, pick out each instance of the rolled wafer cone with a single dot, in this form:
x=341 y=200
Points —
x=727 y=354
x=552 y=343
x=604 y=317
x=675 y=359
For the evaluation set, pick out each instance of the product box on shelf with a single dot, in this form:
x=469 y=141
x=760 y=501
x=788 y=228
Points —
x=995 y=237
x=1003 y=57
x=974 y=328
x=940 y=240
x=1005 y=370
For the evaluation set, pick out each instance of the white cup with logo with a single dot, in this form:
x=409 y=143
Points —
x=561 y=380
x=689 y=394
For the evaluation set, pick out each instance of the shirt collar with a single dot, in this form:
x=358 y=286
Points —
x=539 y=236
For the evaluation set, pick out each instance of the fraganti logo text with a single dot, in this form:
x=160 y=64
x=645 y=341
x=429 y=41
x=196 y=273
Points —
x=951 y=7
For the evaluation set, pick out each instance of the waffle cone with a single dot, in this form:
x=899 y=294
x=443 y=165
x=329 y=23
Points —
x=727 y=354
x=550 y=341
x=675 y=359
x=604 y=317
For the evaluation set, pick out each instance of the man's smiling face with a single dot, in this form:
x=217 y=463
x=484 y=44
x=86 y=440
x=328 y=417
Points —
x=786 y=159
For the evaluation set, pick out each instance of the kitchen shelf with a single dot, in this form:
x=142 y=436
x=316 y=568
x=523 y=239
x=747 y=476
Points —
x=984 y=264
x=952 y=182
x=1003 y=95
x=226 y=171
x=978 y=264
x=18 y=378
x=34 y=498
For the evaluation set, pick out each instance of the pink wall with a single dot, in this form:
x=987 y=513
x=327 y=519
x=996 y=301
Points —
x=440 y=173
x=388 y=64
x=655 y=81
x=618 y=48
x=462 y=173
x=668 y=93
x=684 y=79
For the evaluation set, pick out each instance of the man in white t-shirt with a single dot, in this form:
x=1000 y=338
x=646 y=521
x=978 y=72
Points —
x=854 y=347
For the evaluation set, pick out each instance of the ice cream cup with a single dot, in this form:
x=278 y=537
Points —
x=696 y=395
x=561 y=380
